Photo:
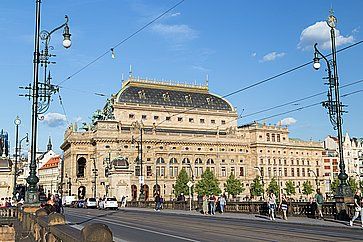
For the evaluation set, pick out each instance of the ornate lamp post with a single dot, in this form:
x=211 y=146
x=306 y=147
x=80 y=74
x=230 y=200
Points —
x=334 y=106
x=140 y=127
x=262 y=181
x=42 y=91
x=17 y=122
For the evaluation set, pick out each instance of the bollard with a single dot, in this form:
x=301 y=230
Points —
x=96 y=232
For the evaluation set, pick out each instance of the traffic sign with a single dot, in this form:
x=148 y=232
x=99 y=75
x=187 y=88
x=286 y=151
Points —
x=190 y=184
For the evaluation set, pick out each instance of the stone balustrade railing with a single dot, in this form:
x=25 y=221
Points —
x=41 y=226
x=294 y=209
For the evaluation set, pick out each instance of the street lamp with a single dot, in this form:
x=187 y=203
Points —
x=43 y=92
x=17 y=122
x=140 y=127
x=262 y=180
x=316 y=178
x=334 y=105
x=190 y=185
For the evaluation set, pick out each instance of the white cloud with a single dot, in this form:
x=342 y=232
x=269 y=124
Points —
x=177 y=32
x=287 y=121
x=55 y=119
x=272 y=56
x=175 y=14
x=320 y=33
x=200 y=68
x=254 y=54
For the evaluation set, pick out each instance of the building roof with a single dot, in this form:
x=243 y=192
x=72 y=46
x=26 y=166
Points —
x=51 y=163
x=172 y=95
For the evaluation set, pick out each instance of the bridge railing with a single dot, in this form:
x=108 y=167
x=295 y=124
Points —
x=41 y=226
x=302 y=209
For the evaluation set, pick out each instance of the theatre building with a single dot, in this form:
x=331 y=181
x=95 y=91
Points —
x=149 y=131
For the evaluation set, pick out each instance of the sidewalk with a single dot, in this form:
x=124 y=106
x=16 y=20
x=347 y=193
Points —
x=255 y=217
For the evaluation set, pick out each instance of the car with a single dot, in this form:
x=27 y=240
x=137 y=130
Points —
x=67 y=200
x=80 y=204
x=90 y=202
x=108 y=202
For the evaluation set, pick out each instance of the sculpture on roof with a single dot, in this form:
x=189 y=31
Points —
x=106 y=113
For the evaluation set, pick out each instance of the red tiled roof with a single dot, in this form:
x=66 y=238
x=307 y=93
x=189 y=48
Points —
x=51 y=163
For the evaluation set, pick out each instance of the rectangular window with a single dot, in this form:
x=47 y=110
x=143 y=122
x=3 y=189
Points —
x=268 y=137
x=156 y=117
x=131 y=115
x=212 y=121
x=223 y=171
x=180 y=119
x=298 y=172
x=223 y=122
x=176 y=171
x=202 y=121
x=143 y=116
x=262 y=171
x=200 y=170
x=278 y=138
x=168 y=118
x=269 y=172
x=162 y=171
x=137 y=170
x=285 y=172
x=303 y=172
x=273 y=137
x=292 y=172
x=171 y=170
x=148 y=171
x=233 y=171
x=158 y=171
x=241 y=171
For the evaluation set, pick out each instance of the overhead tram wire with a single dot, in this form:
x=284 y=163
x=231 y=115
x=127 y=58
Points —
x=270 y=116
x=122 y=41
x=62 y=105
x=298 y=100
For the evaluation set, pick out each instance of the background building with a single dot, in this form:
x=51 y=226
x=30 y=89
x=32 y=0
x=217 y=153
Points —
x=174 y=126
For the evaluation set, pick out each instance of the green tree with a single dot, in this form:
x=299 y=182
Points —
x=233 y=186
x=181 y=183
x=307 y=188
x=256 y=188
x=334 y=185
x=208 y=184
x=290 y=188
x=274 y=187
x=353 y=184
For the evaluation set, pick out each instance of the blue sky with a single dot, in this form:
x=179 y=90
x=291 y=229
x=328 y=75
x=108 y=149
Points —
x=236 y=43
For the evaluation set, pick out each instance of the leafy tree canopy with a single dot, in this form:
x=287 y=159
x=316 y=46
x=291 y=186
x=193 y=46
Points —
x=307 y=188
x=256 y=188
x=290 y=188
x=208 y=184
x=181 y=183
x=233 y=186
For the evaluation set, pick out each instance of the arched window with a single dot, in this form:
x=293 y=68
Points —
x=186 y=161
x=210 y=161
x=81 y=167
x=173 y=161
x=160 y=160
x=198 y=161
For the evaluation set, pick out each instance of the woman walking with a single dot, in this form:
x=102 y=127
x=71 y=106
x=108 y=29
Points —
x=205 y=205
x=283 y=206
x=358 y=208
x=271 y=205
x=222 y=203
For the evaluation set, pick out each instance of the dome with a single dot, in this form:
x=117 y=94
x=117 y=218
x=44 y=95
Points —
x=120 y=163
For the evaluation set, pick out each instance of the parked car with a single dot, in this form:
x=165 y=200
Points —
x=80 y=203
x=67 y=200
x=108 y=202
x=90 y=202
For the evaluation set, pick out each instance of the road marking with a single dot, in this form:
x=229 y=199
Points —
x=138 y=228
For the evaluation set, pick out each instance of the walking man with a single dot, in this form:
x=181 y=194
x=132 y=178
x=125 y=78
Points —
x=357 y=207
x=319 y=200
x=212 y=204
x=157 y=202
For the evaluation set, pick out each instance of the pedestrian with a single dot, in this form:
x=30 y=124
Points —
x=272 y=205
x=357 y=207
x=212 y=204
x=283 y=206
x=222 y=203
x=319 y=200
x=157 y=202
x=205 y=205
x=161 y=203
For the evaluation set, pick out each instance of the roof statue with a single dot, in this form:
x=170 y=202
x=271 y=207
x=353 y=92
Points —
x=106 y=113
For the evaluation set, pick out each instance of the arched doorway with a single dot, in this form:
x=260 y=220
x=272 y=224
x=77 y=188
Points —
x=134 y=192
x=81 y=167
x=146 y=191
x=156 y=188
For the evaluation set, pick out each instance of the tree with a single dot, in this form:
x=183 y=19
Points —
x=256 y=188
x=353 y=184
x=181 y=183
x=290 y=188
x=233 y=186
x=208 y=184
x=307 y=188
x=334 y=185
x=274 y=187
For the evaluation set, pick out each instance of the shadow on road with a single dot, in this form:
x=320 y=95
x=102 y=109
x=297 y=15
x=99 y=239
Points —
x=93 y=218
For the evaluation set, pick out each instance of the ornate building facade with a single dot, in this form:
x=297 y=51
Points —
x=150 y=130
